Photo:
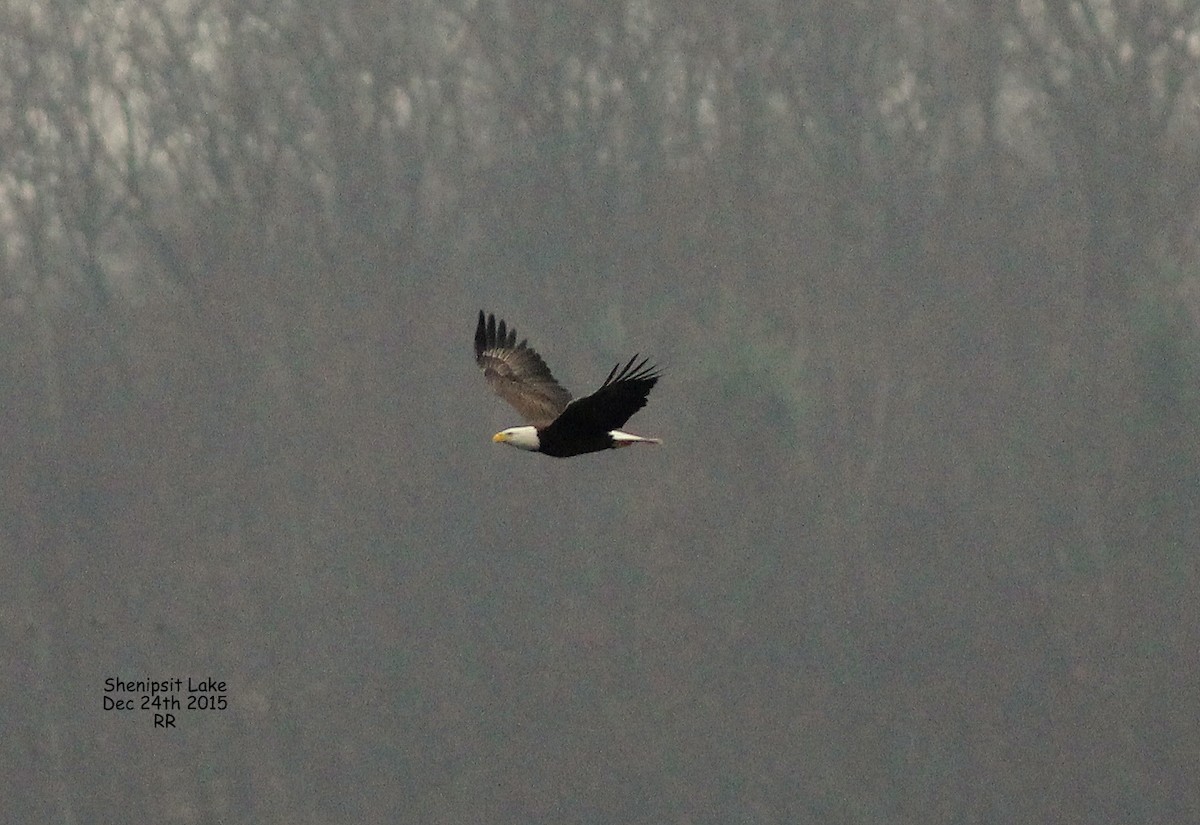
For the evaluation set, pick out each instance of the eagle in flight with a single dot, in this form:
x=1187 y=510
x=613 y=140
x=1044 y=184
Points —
x=559 y=426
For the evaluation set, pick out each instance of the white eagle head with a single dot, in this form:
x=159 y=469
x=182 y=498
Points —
x=524 y=438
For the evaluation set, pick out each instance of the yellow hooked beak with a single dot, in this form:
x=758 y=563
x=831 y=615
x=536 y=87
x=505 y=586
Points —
x=499 y=438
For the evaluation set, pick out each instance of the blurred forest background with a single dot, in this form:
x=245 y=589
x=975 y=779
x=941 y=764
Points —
x=920 y=546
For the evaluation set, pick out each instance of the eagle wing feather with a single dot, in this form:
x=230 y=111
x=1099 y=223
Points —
x=622 y=394
x=517 y=373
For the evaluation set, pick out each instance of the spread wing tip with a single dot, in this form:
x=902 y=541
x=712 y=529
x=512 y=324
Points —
x=630 y=372
x=493 y=333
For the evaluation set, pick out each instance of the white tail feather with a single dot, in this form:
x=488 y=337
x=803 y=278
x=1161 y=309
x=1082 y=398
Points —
x=621 y=439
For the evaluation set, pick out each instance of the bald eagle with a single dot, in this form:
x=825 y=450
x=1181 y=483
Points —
x=559 y=427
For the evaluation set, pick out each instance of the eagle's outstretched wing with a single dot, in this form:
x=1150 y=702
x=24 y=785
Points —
x=621 y=395
x=517 y=373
